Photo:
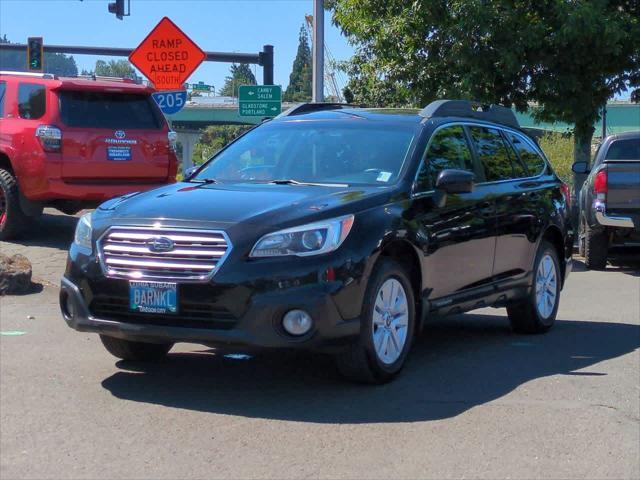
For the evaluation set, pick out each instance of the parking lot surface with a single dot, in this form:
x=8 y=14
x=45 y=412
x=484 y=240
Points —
x=475 y=400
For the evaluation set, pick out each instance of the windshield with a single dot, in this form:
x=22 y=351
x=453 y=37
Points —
x=315 y=152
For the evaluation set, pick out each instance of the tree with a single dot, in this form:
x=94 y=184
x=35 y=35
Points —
x=214 y=138
x=239 y=74
x=56 y=63
x=299 y=89
x=568 y=57
x=115 y=68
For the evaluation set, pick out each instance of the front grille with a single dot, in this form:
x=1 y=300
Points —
x=194 y=255
x=199 y=306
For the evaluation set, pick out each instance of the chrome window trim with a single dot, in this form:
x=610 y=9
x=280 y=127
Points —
x=160 y=228
x=415 y=194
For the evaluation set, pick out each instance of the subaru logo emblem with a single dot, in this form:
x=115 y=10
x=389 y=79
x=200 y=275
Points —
x=119 y=134
x=160 y=244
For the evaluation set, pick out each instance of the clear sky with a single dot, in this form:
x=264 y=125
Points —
x=215 y=25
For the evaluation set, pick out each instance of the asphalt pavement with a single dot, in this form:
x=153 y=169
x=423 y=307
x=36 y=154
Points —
x=475 y=400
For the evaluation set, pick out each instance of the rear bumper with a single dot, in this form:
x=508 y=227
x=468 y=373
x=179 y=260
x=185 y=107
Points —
x=611 y=220
x=57 y=189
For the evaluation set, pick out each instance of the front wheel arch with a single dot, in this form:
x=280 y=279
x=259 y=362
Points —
x=405 y=254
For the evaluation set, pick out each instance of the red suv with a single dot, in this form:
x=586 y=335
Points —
x=72 y=143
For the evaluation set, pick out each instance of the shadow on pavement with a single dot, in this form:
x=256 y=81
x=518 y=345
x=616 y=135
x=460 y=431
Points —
x=50 y=230
x=456 y=365
x=624 y=262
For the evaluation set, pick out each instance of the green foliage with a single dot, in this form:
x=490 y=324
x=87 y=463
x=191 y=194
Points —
x=56 y=63
x=299 y=89
x=214 y=138
x=559 y=150
x=115 y=68
x=239 y=74
x=567 y=56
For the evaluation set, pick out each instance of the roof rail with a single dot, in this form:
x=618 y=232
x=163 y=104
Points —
x=49 y=76
x=315 y=107
x=466 y=108
x=108 y=79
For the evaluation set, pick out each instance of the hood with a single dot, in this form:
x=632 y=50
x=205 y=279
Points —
x=223 y=204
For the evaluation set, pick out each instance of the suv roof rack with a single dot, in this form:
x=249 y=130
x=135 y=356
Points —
x=467 y=108
x=49 y=76
x=105 y=78
x=315 y=107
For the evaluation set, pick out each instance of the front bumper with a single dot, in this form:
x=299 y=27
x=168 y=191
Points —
x=256 y=324
x=610 y=220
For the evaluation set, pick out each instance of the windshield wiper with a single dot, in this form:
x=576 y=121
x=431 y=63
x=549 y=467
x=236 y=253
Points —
x=290 y=181
x=205 y=181
x=287 y=181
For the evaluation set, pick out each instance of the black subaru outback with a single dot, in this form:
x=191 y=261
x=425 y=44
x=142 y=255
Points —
x=330 y=228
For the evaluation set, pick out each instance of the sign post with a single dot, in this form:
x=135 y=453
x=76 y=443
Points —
x=167 y=57
x=259 y=100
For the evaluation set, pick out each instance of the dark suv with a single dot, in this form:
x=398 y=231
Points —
x=330 y=228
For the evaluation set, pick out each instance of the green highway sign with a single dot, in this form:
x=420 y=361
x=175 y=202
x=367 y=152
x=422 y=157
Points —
x=201 y=87
x=259 y=100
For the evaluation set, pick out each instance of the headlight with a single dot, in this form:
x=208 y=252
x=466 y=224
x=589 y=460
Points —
x=311 y=239
x=82 y=237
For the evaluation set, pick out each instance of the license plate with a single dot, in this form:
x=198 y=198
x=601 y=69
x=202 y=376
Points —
x=153 y=297
x=119 y=154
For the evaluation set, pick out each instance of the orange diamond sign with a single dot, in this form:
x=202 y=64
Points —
x=167 y=57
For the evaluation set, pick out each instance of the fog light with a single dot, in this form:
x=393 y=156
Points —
x=297 y=322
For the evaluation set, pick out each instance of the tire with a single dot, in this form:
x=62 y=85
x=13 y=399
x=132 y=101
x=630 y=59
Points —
x=581 y=240
x=535 y=314
x=12 y=219
x=362 y=361
x=138 y=351
x=596 y=247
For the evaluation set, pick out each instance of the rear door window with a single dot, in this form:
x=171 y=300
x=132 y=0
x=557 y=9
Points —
x=31 y=100
x=624 y=150
x=108 y=110
x=519 y=169
x=448 y=148
x=492 y=153
x=3 y=88
x=530 y=157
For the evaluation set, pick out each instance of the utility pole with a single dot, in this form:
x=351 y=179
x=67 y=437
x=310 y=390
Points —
x=318 y=51
x=604 y=121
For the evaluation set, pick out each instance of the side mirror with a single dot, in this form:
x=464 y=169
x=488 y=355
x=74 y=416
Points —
x=455 y=181
x=580 y=167
x=190 y=171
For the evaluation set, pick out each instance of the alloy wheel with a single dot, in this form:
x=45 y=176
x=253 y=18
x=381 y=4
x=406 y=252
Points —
x=546 y=286
x=390 y=321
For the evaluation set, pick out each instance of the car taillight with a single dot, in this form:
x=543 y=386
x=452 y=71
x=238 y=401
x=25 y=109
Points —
x=172 y=137
x=50 y=138
x=600 y=185
x=566 y=191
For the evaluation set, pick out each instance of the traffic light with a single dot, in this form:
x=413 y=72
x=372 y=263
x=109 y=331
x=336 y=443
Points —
x=35 y=54
x=117 y=7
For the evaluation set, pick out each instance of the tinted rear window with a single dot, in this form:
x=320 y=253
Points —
x=529 y=156
x=31 y=101
x=3 y=88
x=108 y=110
x=624 y=150
x=492 y=153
